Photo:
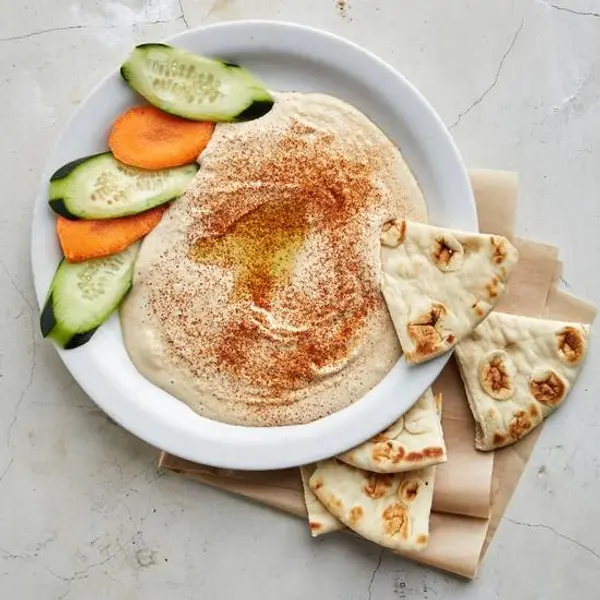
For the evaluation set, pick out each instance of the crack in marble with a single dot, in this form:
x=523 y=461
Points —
x=150 y=467
x=113 y=578
x=374 y=574
x=26 y=388
x=557 y=533
x=182 y=15
x=572 y=11
x=7 y=469
x=34 y=557
x=14 y=285
x=482 y=96
x=13 y=556
x=82 y=574
x=31 y=34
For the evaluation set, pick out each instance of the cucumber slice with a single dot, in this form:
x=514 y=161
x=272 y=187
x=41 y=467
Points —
x=83 y=295
x=101 y=187
x=194 y=87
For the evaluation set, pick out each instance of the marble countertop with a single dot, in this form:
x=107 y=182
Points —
x=84 y=513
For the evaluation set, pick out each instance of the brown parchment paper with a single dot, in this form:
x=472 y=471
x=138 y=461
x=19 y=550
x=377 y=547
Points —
x=496 y=197
x=472 y=485
x=463 y=484
x=531 y=279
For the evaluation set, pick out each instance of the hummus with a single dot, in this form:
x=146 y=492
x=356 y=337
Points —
x=256 y=300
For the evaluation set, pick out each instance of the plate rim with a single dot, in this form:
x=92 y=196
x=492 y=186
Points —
x=241 y=458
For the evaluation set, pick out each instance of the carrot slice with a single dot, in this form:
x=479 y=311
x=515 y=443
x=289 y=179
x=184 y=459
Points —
x=85 y=239
x=149 y=138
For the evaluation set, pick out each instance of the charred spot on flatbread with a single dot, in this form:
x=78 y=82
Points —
x=336 y=503
x=377 y=485
x=356 y=514
x=548 y=387
x=447 y=253
x=408 y=490
x=520 y=425
x=492 y=287
x=432 y=452
x=425 y=332
x=500 y=439
x=488 y=428
x=477 y=309
x=396 y=521
x=534 y=412
x=317 y=484
x=499 y=250
x=384 y=452
x=496 y=375
x=570 y=345
x=393 y=233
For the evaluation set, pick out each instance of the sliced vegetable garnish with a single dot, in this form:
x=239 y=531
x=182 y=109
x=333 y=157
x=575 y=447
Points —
x=149 y=138
x=86 y=239
x=194 y=87
x=101 y=187
x=83 y=295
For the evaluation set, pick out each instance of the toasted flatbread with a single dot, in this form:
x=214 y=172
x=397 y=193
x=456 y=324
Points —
x=439 y=284
x=390 y=510
x=414 y=441
x=320 y=520
x=516 y=371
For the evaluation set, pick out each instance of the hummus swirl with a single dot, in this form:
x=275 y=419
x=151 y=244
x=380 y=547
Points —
x=256 y=300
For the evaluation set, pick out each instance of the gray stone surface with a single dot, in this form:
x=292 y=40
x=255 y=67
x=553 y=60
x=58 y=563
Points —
x=84 y=512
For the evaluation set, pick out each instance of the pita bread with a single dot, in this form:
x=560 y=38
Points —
x=390 y=510
x=320 y=520
x=439 y=283
x=414 y=441
x=516 y=371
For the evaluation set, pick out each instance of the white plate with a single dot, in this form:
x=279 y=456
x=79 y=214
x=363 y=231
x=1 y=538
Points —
x=288 y=57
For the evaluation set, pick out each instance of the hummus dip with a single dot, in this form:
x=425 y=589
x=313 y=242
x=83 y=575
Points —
x=256 y=300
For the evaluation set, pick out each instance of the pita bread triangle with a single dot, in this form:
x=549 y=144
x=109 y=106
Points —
x=389 y=510
x=439 y=284
x=517 y=370
x=414 y=441
x=320 y=520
